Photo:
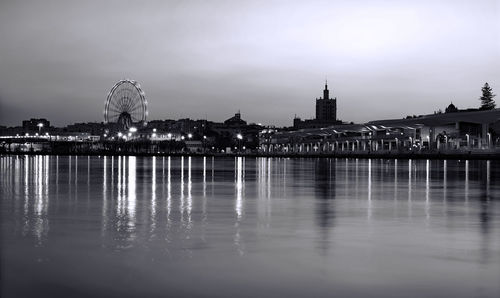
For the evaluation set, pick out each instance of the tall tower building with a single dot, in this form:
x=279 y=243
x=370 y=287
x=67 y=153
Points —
x=326 y=107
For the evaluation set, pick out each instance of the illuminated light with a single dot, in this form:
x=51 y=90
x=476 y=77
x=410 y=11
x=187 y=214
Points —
x=205 y=137
x=190 y=135
x=40 y=125
x=132 y=129
x=182 y=137
x=46 y=133
x=120 y=134
x=36 y=134
x=124 y=137
x=154 y=135
x=154 y=129
x=27 y=134
x=239 y=136
x=105 y=135
x=129 y=134
x=169 y=135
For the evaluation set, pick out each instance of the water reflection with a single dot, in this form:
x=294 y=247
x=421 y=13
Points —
x=104 y=195
x=325 y=179
x=466 y=192
x=263 y=186
x=427 y=189
x=124 y=221
x=445 y=179
x=439 y=215
x=169 y=191
x=239 y=187
x=239 y=183
x=153 y=196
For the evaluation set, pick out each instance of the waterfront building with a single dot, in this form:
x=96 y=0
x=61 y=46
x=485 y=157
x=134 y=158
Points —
x=467 y=130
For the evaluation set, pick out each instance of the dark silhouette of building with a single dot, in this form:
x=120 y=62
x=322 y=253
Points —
x=326 y=113
x=235 y=120
x=451 y=108
x=326 y=107
x=35 y=124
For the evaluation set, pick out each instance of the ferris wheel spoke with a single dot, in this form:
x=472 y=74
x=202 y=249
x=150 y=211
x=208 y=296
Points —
x=118 y=104
x=113 y=107
x=114 y=112
x=137 y=116
x=124 y=103
x=114 y=104
x=127 y=104
x=134 y=101
x=136 y=105
x=130 y=104
x=136 y=108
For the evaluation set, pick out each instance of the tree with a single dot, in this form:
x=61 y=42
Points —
x=487 y=102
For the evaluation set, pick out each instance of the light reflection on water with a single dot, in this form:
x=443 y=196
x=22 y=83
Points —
x=290 y=227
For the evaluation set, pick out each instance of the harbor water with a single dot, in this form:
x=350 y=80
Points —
x=102 y=226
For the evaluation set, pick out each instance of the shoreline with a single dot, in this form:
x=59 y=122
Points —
x=383 y=155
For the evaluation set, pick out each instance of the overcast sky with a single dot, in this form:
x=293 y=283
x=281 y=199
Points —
x=269 y=59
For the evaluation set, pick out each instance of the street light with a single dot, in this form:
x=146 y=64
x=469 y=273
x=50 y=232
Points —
x=190 y=135
x=40 y=125
x=239 y=137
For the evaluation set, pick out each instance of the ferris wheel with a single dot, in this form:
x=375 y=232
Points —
x=126 y=104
